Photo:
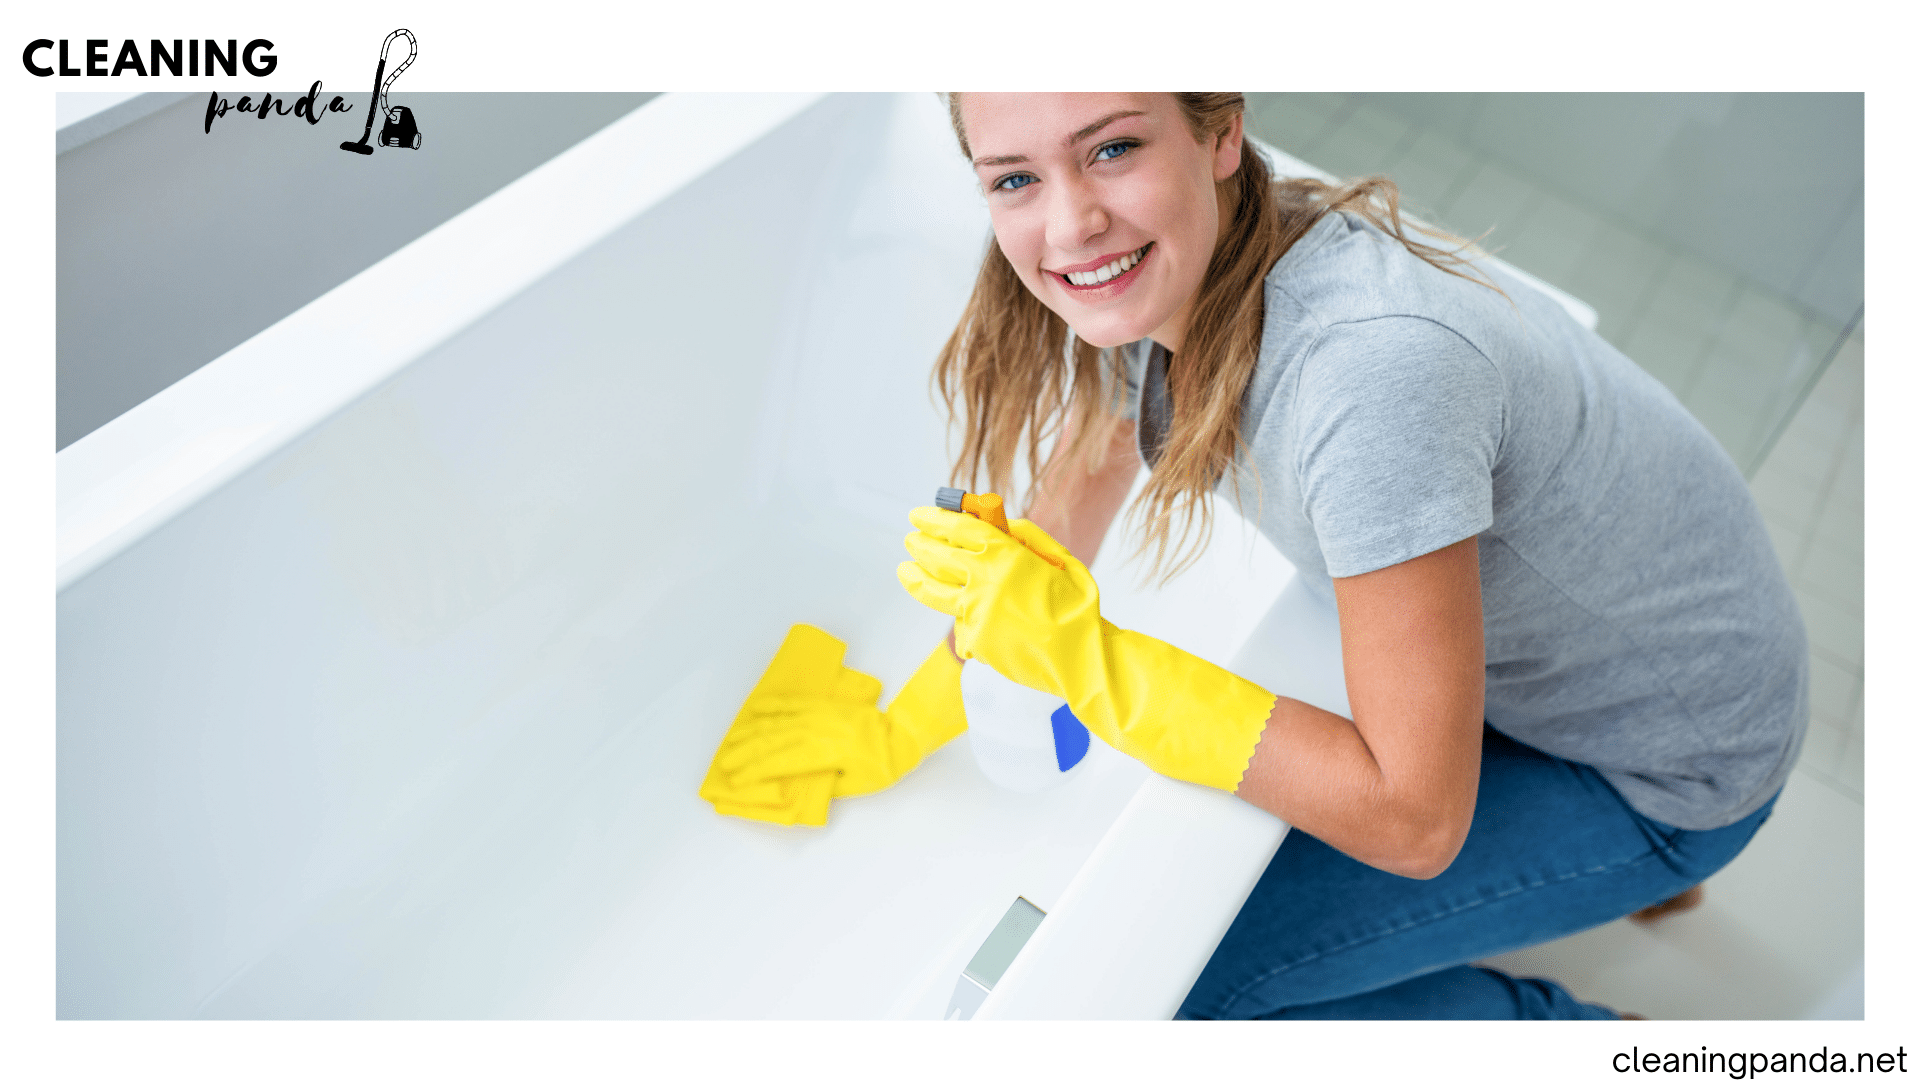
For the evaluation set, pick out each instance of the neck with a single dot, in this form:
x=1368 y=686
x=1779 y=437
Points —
x=1173 y=333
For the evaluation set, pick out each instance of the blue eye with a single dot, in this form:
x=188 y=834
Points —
x=1102 y=155
x=1013 y=183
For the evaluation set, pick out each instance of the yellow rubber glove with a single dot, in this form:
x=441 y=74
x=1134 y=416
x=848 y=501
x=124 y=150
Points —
x=820 y=718
x=1039 y=624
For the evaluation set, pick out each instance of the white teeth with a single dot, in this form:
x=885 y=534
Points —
x=1108 y=272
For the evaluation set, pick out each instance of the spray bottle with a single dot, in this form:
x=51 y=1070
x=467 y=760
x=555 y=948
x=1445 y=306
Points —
x=1022 y=739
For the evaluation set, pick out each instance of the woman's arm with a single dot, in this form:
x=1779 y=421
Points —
x=1077 y=501
x=1395 y=788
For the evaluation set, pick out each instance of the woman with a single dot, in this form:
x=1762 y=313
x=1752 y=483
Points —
x=1577 y=675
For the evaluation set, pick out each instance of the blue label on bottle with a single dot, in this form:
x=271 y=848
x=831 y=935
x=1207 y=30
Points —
x=1070 y=738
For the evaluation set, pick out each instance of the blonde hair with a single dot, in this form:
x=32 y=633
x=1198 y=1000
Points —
x=1007 y=363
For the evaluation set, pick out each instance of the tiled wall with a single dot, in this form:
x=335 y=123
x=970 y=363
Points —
x=1746 y=360
x=1739 y=354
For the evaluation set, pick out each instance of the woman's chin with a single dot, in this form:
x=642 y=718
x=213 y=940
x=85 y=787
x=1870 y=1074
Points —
x=1109 y=333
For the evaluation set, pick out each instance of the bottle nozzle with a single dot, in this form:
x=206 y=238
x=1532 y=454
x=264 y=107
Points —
x=987 y=508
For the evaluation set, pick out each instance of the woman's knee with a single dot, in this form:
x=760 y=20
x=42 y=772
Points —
x=1701 y=854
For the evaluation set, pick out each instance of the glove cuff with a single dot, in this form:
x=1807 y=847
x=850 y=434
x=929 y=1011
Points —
x=1174 y=712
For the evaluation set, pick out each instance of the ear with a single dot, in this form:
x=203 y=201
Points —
x=1227 y=149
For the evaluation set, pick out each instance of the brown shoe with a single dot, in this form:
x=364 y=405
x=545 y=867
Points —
x=1685 y=901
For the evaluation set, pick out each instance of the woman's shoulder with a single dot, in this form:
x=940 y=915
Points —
x=1346 y=271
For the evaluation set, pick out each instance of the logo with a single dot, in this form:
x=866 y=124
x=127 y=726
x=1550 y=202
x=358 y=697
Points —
x=398 y=128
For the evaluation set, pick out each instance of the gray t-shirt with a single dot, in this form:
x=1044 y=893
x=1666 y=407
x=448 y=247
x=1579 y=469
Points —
x=1636 y=617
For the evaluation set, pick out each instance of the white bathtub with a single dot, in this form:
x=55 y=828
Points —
x=394 y=643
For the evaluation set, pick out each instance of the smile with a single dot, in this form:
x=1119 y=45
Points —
x=1117 y=268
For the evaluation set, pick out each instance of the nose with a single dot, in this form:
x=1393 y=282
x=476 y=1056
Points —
x=1075 y=215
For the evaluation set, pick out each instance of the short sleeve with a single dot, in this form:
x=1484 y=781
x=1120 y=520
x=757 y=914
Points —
x=1399 y=426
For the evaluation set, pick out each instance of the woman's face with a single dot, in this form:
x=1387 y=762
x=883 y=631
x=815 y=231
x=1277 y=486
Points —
x=1105 y=204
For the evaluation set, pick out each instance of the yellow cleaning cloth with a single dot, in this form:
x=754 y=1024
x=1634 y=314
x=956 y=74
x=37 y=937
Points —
x=812 y=730
x=806 y=665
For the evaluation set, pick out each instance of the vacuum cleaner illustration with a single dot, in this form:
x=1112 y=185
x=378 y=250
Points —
x=399 y=128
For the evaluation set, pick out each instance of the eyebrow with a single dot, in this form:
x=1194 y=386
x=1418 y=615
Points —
x=1090 y=129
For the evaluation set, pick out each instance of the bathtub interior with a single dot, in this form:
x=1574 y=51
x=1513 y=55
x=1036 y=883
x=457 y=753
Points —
x=407 y=719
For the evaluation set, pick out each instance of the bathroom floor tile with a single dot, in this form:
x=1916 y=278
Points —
x=1365 y=143
x=1668 y=349
x=1840 y=524
x=1849 y=477
x=1493 y=198
x=1295 y=122
x=1820 y=336
x=1760 y=321
x=1787 y=497
x=1821 y=751
x=1556 y=239
x=1852 y=768
x=1756 y=369
x=1787 y=543
x=1845 y=379
x=1808 y=449
x=1729 y=376
x=1835 y=573
x=1694 y=292
x=1428 y=172
x=1832 y=628
x=1824 y=419
x=1801 y=364
x=1832 y=691
x=1725 y=406
x=1617 y=277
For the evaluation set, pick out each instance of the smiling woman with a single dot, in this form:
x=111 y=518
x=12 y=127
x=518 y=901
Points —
x=1577 y=677
x=1197 y=211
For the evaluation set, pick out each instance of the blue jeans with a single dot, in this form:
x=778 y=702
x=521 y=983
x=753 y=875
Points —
x=1553 y=850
